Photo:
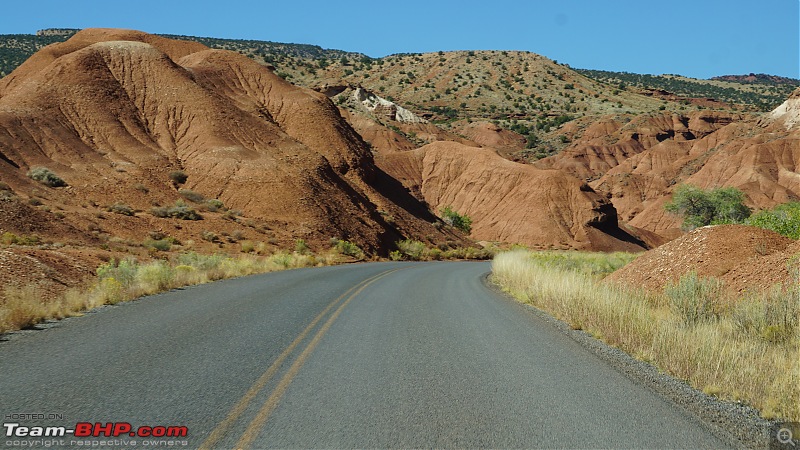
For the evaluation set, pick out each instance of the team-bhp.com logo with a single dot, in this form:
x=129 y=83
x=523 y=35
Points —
x=87 y=429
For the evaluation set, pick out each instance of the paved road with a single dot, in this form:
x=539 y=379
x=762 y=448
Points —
x=371 y=355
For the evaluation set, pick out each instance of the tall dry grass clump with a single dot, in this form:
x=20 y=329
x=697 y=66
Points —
x=119 y=281
x=738 y=349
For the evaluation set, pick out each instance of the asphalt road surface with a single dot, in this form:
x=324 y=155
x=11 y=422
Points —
x=380 y=355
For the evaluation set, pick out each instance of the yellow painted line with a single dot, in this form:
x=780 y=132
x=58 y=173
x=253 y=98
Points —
x=251 y=393
x=272 y=402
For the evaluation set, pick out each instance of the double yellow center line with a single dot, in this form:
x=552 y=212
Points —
x=272 y=402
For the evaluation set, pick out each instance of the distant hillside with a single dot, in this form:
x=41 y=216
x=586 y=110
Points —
x=544 y=102
x=764 y=92
x=758 y=78
x=268 y=50
x=16 y=48
x=308 y=64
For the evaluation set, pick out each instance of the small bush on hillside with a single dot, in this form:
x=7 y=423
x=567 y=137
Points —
x=209 y=236
x=783 y=219
x=46 y=177
x=179 y=211
x=301 y=247
x=178 y=177
x=414 y=250
x=469 y=253
x=123 y=272
x=700 y=208
x=214 y=205
x=200 y=262
x=459 y=221
x=184 y=212
x=347 y=248
x=192 y=196
x=248 y=246
x=163 y=245
x=9 y=238
x=121 y=208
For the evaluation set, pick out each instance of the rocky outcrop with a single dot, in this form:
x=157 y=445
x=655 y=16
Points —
x=381 y=107
x=788 y=113
x=111 y=109
x=508 y=201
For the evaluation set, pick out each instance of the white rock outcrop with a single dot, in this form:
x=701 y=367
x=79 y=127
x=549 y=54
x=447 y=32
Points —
x=788 y=113
x=382 y=107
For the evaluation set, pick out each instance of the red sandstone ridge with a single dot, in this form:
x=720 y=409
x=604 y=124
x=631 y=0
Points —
x=508 y=201
x=638 y=164
x=112 y=112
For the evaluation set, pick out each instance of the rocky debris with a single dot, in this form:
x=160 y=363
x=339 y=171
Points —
x=744 y=258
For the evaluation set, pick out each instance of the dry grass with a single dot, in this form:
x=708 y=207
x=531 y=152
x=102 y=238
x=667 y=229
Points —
x=417 y=251
x=737 y=353
x=126 y=280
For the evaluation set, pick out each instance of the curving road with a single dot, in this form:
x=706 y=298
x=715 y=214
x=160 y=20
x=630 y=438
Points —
x=371 y=355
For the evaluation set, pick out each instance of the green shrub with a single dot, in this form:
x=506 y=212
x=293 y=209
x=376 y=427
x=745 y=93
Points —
x=248 y=247
x=214 y=205
x=396 y=255
x=454 y=219
x=159 y=244
x=46 y=177
x=414 y=250
x=347 y=248
x=301 y=247
x=124 y=272
x=9 y=238
x=468 y=253
x=200 y=262
x=192 y=196
x=478 y=253
x=178 y=177
x=700 y=208
x=155 y=276
x=783 y=219
x=209 y=236
x=696 y=299
x=121 y=208
x=595 y=264
x=772 y=316
x=179 y=211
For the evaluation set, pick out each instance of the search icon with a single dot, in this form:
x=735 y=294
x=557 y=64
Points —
x=785 y=437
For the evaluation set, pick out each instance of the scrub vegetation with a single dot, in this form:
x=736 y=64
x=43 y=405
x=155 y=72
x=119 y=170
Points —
x=743 y=348
x=119 y=281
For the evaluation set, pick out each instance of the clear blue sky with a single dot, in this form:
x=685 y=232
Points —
x=699 y=38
